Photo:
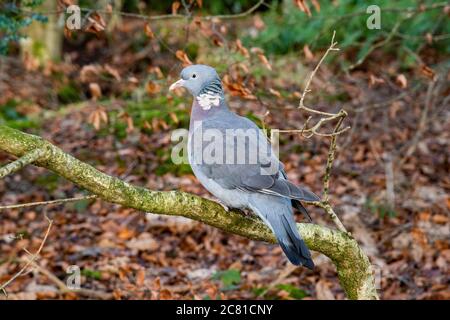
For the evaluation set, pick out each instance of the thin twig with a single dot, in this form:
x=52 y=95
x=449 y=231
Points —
x=287 y=271
x=63 y=287
x=412 y=145
x=330 y=159
x=332 y=47
x=57 y=201
x=21 y=162
x=340 y=116
x=30 y=261
x=329 y=209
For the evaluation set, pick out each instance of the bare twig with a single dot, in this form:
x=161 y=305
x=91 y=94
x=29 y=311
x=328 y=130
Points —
x=63 y=287
x=30 y=261
x=390 y=187
x=330 y=159
x=327 y=117
x=329 y=209
x=21 y=162
x=308 y=133
x=287 y=271
x=314 y=130
x=332 y=47
x=57 y=201
x=410 y=148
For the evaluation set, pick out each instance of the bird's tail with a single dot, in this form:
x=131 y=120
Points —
x=281 y=221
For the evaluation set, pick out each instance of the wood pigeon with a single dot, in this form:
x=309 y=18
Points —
x=233 y=160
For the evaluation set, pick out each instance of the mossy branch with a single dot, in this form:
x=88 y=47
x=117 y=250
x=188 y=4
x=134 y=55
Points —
x=353 y=266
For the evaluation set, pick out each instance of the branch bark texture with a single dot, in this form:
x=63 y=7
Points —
x=353 y=266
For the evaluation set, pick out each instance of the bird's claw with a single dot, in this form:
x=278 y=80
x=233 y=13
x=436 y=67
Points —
x=224 y=206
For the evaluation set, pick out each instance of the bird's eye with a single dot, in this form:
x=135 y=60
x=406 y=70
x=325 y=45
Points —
x=194 y=75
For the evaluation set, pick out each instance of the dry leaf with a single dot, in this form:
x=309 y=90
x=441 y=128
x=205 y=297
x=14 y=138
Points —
x=148 y=31
x=152 y=87
x=95 y=24
x=264 y=61
x=427 y=72
x=237 y=88
x=157 y=71
x=133 y=80
x=98 y=116
x=112 y=71
x=316 y=5
x=146 y=244
x=217 y=41
x=374 y=80
x=174 y=117
x=182 y=56
x=199 y=3
x=276 y=93
x=126 y=234
x=140 y=277
x=401 y=81
x=258 y=22
x=95 y=90
x=308 y=54
x=89 y=73
x=175 y=6
x=301 y=4
x=67 y=32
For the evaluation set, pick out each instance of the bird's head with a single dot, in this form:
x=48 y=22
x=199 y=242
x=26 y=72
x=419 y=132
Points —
x=198 y=77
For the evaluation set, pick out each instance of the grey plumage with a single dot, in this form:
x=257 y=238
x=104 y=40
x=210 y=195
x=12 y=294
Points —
x=261 y=185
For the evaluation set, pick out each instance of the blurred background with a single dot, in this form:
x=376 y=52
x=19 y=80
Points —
x=100 y=93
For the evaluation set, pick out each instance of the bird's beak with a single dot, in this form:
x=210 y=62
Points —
x=177 y=84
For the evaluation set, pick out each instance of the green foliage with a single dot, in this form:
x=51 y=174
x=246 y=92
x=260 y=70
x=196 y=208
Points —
x=12 y=118
x=293 y=291
x=15 y=16
x=289 y=29
x=230 y=278
x=69 y=93
x=145 y=111
x=93 y=274
x=49 y=181
x=81 y=205
x=380 y=209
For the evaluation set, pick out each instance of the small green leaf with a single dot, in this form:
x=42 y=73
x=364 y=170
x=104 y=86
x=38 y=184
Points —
x=229 y=278
x=293 y=291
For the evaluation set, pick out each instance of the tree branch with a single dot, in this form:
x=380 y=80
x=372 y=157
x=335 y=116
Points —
x=22 y=162
x=353 y=266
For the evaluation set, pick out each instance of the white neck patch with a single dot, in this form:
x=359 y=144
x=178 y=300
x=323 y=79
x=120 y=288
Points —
x=208 y=100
